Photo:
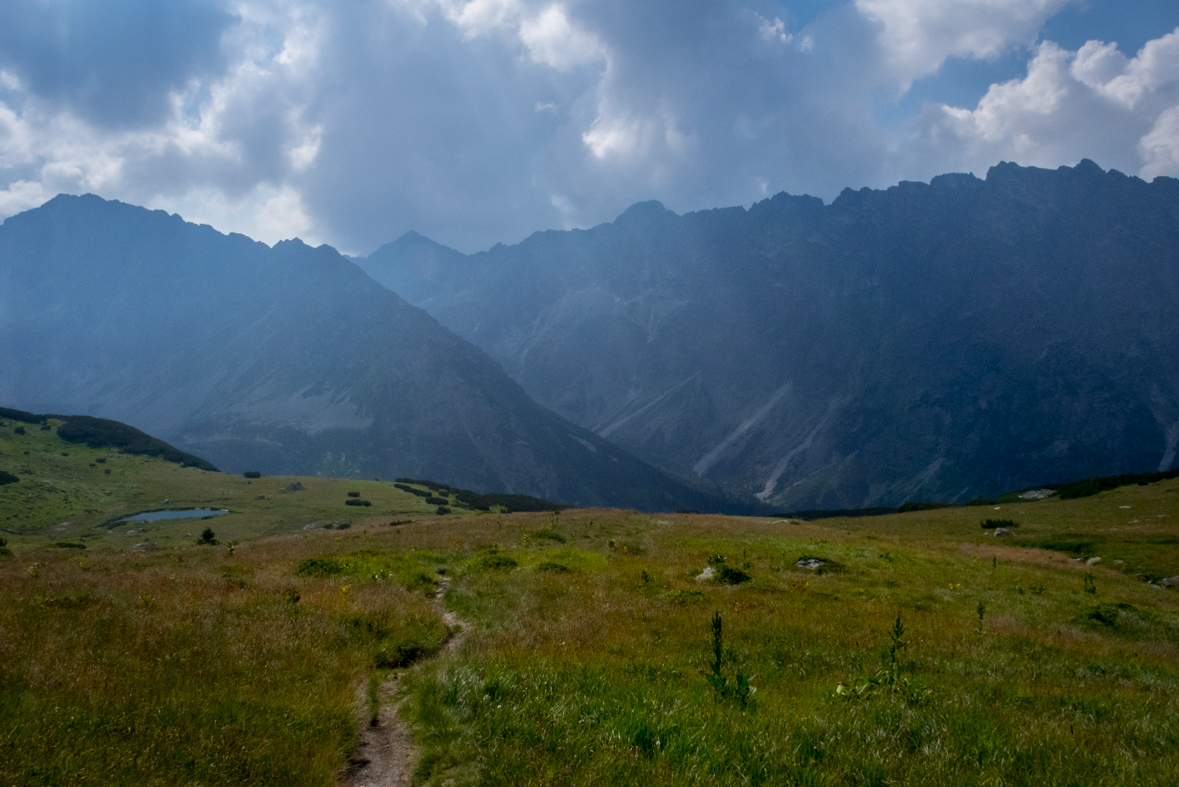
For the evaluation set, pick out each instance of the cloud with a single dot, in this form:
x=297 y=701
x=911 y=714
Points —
x=1092 y=103
x=477 y=121
x=113 y=64
x=552 y=40
x=918 y=35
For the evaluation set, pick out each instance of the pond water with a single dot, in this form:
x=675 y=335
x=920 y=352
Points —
x=176 y=513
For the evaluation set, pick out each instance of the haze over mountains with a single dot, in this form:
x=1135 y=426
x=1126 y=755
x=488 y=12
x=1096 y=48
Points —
x=928 y=342
x=284 y=360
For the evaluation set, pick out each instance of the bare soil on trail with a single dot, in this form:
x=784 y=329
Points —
x=386 y=755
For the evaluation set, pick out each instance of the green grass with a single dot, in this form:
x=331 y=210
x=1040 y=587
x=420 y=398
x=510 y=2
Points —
x=66 y=494
x=193 y=667
x=589 y=640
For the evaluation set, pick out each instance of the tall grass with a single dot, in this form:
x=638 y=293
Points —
x=600 y=675
x=196 y=667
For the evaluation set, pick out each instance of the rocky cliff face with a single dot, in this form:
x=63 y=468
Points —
x=940 y=341
x=285 y=360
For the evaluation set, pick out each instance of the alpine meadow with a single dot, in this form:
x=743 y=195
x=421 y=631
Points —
x=583 y=393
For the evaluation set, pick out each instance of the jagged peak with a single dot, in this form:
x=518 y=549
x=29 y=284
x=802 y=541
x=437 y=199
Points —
x=644 y=211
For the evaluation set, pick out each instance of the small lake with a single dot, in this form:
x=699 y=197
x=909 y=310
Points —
x=177 y=513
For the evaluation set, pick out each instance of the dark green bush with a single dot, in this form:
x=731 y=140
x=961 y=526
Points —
x=1092 y=486
x=731 y=576
x=992 y=524
x=352 y=501
x=320 y=567
x=441 y=510
x=550 y=534
x=252 y=474
x=353 y=494
x=103 y=433
x=493 y=561
x=208 y=537
x=7 y=478
x=906 y=507
x=19 y=430
x=548 y=565
x=436 y=501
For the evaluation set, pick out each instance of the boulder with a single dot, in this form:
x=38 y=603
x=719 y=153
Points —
x=1170 y=582
x=810 y=563
x=1092 y=561
x=705 y=575
x=1002 y=532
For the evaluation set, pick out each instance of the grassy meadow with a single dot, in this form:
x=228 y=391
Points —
x=922 y=651
x=72 y=493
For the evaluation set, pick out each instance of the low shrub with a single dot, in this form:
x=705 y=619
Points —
x=353 y=494
x=103 y=433
x=992 y=524
x=549 y=534
x=731 y=576
x=19 y=430
x=7 y=478
x=436 y=501
x=441 y=510
x=252 y=474
x=493 y=561
x=906 y=507
x=555 y=568
x=352 y=501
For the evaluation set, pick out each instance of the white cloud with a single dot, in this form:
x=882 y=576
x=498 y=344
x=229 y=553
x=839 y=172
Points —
x=1103 y=68
x=21 y=196
x=546 y=32
x=552 y=40
x=223 y=137
x=1093 y=103
x=1160 y=147
x=773 y=31
x=918 y=35
x=283 y=216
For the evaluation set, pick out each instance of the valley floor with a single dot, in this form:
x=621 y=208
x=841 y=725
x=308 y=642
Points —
x=920 y=650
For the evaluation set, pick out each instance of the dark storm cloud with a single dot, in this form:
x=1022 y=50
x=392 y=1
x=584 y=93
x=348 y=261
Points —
x=111 y=63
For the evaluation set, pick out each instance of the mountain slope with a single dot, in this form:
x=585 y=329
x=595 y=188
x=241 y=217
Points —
x=286 y=360
x=931 y=341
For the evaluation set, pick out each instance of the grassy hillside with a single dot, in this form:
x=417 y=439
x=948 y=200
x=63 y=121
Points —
x=71 y=492
x=591 y=655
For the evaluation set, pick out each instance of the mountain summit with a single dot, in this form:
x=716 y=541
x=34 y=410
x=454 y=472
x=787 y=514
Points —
x=938 y=341
x=286 y=359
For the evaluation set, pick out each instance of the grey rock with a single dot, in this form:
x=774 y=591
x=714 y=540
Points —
x=1092 y=561
x=810 y=563
x=372 y=388
x=705 y=575
x=656 y=331
x=1002 y=532
x=1170 y=582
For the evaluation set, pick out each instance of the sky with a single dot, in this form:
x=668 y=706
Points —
x=481 y=121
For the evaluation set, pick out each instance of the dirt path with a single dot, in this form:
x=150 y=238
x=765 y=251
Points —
x=386 y=755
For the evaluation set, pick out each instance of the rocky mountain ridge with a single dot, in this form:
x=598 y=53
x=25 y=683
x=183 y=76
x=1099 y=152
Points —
x=287 y=360
x=938 y=341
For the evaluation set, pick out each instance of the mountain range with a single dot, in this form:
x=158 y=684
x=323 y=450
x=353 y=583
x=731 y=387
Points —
x=941 y=341
x=284 y=360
